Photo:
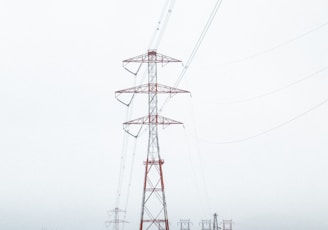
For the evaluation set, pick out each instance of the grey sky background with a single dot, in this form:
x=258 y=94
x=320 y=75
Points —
x=61 y=137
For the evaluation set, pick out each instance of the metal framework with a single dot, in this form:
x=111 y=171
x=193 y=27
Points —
x=206 y=224
x=153 y=211
x=185 y=224
x=227 y=224
x=215 y=222
x=116 y=221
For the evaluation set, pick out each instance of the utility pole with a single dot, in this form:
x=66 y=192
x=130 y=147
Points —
x=153 y=209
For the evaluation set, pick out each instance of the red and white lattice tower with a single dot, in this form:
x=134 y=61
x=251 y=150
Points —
x=153 y=211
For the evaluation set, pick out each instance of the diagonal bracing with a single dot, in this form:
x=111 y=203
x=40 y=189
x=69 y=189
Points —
x=153 y=210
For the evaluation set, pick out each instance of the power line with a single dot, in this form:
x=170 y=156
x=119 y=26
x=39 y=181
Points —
x=309 y=76
x=270 y=129
x=279 y=45
x=196 y=47
x=130 y=180
x=162 y=24
x=122 y=167
x=158 y=25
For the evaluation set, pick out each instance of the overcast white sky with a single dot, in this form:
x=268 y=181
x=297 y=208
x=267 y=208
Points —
x=61 y=127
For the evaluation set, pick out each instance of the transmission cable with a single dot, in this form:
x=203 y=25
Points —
x=185 y=67
x=253 y=56
x=199 y=42
x=279 y=45
x=130 y=180
x=158 y=25
x=195 y=49
x=198 y=150
x=309 y=76
x=123 y=159
x=160 y=28
x=162 y=24
x=194 y=174
x=270 y=129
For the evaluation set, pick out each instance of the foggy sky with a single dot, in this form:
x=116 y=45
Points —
x=61 y=136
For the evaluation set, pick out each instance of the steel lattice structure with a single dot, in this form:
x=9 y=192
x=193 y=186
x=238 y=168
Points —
x=154 y=211
x=206 y=224
x=215 y=222
x=116 y=221
x=185 y=224
x=227 y=224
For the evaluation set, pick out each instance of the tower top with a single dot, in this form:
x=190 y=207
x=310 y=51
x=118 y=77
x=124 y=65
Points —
x=152 y=56
x=152 y=52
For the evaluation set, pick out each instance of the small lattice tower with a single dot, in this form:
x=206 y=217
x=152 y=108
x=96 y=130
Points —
x=215 y=222
x=153 y=211
x=227 y=224
x=185 y=224
x=115 y=223
x=206 y=224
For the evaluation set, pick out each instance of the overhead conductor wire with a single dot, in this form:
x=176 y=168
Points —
x=130 y=180
x=160 y=29
x=183 y=72
x=279 y=45
x=309 y=76
x=282 y=44
x=270 y=129
x=162 y=24
x=187 y=65
x=123 y=161
x=196 y=47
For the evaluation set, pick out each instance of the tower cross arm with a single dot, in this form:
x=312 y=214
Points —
x=116 y=221
x=148 y=120
x=152 y=119
x=152 y=87
x=151 y=56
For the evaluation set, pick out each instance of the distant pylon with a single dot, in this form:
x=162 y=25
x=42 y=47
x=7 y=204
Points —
x=206 y=224
x=227 y=224
x=185 y=224
x=116 y=221
x=215 y=222
x=153 y=210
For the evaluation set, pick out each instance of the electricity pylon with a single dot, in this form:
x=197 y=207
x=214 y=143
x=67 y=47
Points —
x=116 y=221
x=154 y=211
x=185 y=224
x=206 y=224
x=215 y=222
x=227 y=224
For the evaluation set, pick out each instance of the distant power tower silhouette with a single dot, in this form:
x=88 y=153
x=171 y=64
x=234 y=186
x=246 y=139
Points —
x=227 y=224
x=153 y=211
x=206 y=224
x=215 y=222
x=115 y=223
x=185 y=224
